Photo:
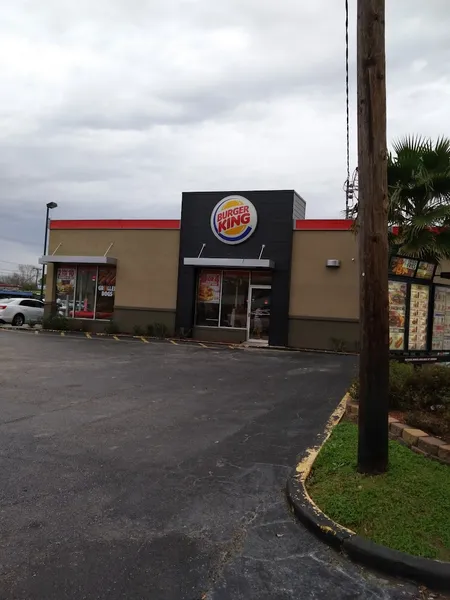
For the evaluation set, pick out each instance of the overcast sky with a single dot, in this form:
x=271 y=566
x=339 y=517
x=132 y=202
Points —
x=112 y=108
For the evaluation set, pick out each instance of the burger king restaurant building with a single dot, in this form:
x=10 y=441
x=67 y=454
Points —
x=237 y=267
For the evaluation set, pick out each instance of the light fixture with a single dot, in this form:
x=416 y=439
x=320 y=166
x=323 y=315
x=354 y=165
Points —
x=333 y=263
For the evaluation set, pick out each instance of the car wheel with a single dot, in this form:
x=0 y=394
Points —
x=18 y=320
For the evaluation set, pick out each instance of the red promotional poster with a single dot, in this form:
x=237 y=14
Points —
x=209 y=288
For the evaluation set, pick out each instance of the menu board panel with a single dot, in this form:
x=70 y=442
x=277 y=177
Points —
x=405 y=267
x=418 y=317
x=425 y=270
x=209 y=287
x=397 y=311
x=441 y=319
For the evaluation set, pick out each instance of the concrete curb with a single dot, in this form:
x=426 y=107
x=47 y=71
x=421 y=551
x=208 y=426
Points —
x=434 y=574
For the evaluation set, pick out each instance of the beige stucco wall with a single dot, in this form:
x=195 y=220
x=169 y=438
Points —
x=318 y=291
x=147 y=262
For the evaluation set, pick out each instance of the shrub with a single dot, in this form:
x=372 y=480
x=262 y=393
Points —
x=184 y=333
x=429 y=388
x=137 y=330
x=415 y=389
x=399 y=384
x=338 y=344
x=56 y=322
x=74 y=325
x=112 y=328
x=158 y=330
x=161 y=330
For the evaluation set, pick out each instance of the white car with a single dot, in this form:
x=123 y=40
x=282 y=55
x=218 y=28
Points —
x=19 y=311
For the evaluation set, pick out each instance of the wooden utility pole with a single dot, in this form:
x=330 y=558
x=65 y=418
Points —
x=373 y=239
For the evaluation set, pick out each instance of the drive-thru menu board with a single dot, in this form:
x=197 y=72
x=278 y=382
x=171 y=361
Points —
x=418 y=317
x=441 y=319
x=397 y=311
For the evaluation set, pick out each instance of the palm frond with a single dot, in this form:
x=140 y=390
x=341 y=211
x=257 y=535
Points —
x=419 y=196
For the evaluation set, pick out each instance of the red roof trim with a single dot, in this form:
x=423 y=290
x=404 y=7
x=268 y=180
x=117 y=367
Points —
x=116 y=224
x=300 y=224
x=323 y=224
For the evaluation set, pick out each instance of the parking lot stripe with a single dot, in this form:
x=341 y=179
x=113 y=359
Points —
x=202 y=345
x=116 y=338
x=88 y=335
x=173 y=342
x=144 y=340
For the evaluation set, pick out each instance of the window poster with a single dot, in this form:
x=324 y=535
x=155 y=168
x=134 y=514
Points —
x=65 y=280
x=106 y=284
x=106 y=290
x=209 y=287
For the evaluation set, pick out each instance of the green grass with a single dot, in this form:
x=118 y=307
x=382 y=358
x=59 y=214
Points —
x=407 y=509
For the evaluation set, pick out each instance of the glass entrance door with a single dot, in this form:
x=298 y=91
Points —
x=259 y=313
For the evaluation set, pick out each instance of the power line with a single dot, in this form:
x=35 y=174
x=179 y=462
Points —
x=347 y=103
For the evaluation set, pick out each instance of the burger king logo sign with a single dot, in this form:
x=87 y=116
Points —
x=234 y=220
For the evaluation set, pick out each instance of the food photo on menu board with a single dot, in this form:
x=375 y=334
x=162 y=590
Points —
x=397 y=313
x=209 y=288
x=425 y=270
x=405 y=267
x=418 y=317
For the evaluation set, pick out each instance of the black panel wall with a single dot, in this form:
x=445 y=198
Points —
x=275 y=226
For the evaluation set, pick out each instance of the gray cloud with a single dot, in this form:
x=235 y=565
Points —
x=113 y=108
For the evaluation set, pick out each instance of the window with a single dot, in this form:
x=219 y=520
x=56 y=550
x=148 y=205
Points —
x=222 y=297
x=234 y=299
x=208 y=298
x=28 y=303
x=86 y=291
x=65 y=289
x=106 y=289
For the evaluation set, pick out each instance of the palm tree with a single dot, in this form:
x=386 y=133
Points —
x=419 y=198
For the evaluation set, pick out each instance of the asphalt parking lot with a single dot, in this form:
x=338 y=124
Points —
x=157 y=471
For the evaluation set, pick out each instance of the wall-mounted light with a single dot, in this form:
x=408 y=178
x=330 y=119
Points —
x=333 y=263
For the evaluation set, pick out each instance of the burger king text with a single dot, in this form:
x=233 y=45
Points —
x=234 y=220
x=233 y=217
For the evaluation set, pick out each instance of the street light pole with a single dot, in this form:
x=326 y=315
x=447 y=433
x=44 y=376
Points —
x=373 y=239
x=50 y=205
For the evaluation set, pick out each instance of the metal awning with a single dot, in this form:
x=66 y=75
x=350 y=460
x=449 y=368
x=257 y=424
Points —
x=242 y=263
x=81 y=260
